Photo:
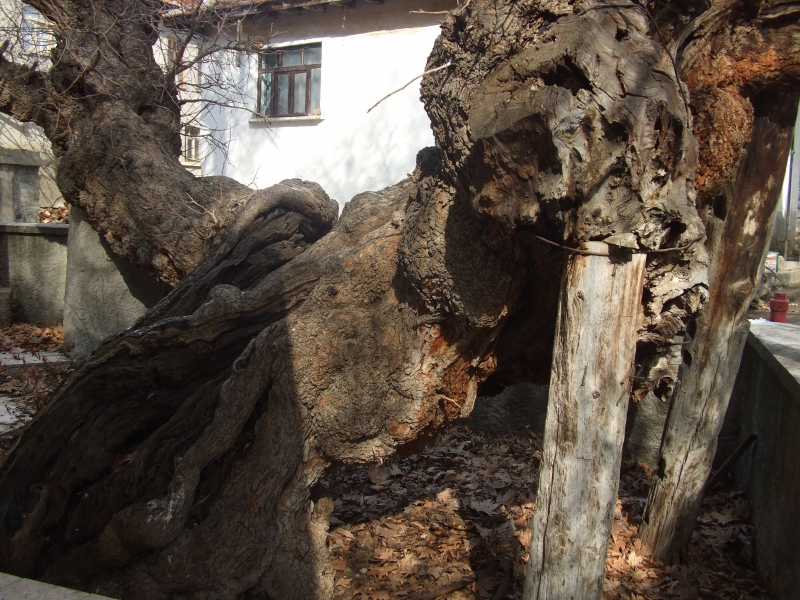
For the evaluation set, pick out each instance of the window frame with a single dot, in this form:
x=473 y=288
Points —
x=171 y=51
x=191 y=143
x=291 y=71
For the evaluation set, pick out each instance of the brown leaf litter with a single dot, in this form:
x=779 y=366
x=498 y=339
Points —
x=410 y=527
x=54 y=214
x=456 y=515
x=33 y=338
x=31 y=388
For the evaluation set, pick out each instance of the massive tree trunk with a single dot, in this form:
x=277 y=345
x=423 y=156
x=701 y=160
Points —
x=180 y=459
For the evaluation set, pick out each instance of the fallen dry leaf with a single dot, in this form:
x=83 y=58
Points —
x=464 y=505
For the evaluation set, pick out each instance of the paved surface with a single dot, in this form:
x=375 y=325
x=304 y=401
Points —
x=16 y=588
x=792 y=316
x=778 y=344
x=13 y=415
x=17 y=360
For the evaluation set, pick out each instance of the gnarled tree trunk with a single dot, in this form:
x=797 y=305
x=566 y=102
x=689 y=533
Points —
x=180 y=459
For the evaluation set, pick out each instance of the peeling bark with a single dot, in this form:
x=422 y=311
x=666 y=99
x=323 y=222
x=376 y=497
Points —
x=711 y=359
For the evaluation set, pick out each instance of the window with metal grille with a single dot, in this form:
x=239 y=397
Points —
x=289 y=81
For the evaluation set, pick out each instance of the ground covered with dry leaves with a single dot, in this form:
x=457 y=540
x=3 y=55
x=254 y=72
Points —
x=54 y=214
x=451 y=523
x=30 y=388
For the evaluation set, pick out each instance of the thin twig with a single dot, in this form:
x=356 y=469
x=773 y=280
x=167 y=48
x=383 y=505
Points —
x=444 y=66
x=728 y=463
x=458 y=584
x=440 y=12
x=203 y=209
x=676 y=248
x=567 y=248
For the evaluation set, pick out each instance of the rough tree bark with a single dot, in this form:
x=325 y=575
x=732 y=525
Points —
x=180 y=460
x=711 y=360
x=748 y=92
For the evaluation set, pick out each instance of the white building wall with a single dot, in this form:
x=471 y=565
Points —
x=367 y=52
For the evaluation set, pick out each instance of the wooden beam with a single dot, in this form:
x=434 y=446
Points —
x=589 y=387
x=711 y=360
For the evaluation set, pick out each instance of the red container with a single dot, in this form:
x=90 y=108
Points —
x=778 y=307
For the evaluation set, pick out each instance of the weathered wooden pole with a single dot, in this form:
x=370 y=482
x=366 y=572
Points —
x=711 y=360
x=589 y=386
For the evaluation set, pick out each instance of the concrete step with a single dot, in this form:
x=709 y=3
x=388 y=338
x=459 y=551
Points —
x=17 y=588
x=13 y=361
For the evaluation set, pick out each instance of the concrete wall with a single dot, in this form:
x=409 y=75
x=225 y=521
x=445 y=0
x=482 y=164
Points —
x=33 y=261
x=105 y=294
x=28 y=166
x=766 y=401
x=367 y=52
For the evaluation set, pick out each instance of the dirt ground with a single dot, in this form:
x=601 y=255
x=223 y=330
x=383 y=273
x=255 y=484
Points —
x=414 y=526
x=450 y=521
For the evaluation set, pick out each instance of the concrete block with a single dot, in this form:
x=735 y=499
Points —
x=7 y=192
x=18 y=588
x=12 y=362
x=33 y=260
x=766 y=401
x=644 y=429
x=105 y=294
x=26 y=194
x=19 y=193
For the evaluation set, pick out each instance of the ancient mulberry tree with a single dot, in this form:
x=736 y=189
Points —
x=180 y=459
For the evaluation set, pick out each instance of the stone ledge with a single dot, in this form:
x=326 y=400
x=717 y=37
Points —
x=778 y=345
x=17 y=588
x=781 y=279
x=26 y=158
x=34 y=228
x=13 y=361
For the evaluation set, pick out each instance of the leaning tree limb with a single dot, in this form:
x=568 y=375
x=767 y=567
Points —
x=744 y=73
x=113 y=118
x=711 y=360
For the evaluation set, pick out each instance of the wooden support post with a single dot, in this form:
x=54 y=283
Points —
x=711 y=361
x=589 y=386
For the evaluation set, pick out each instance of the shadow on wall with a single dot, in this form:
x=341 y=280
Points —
x=104 y=293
